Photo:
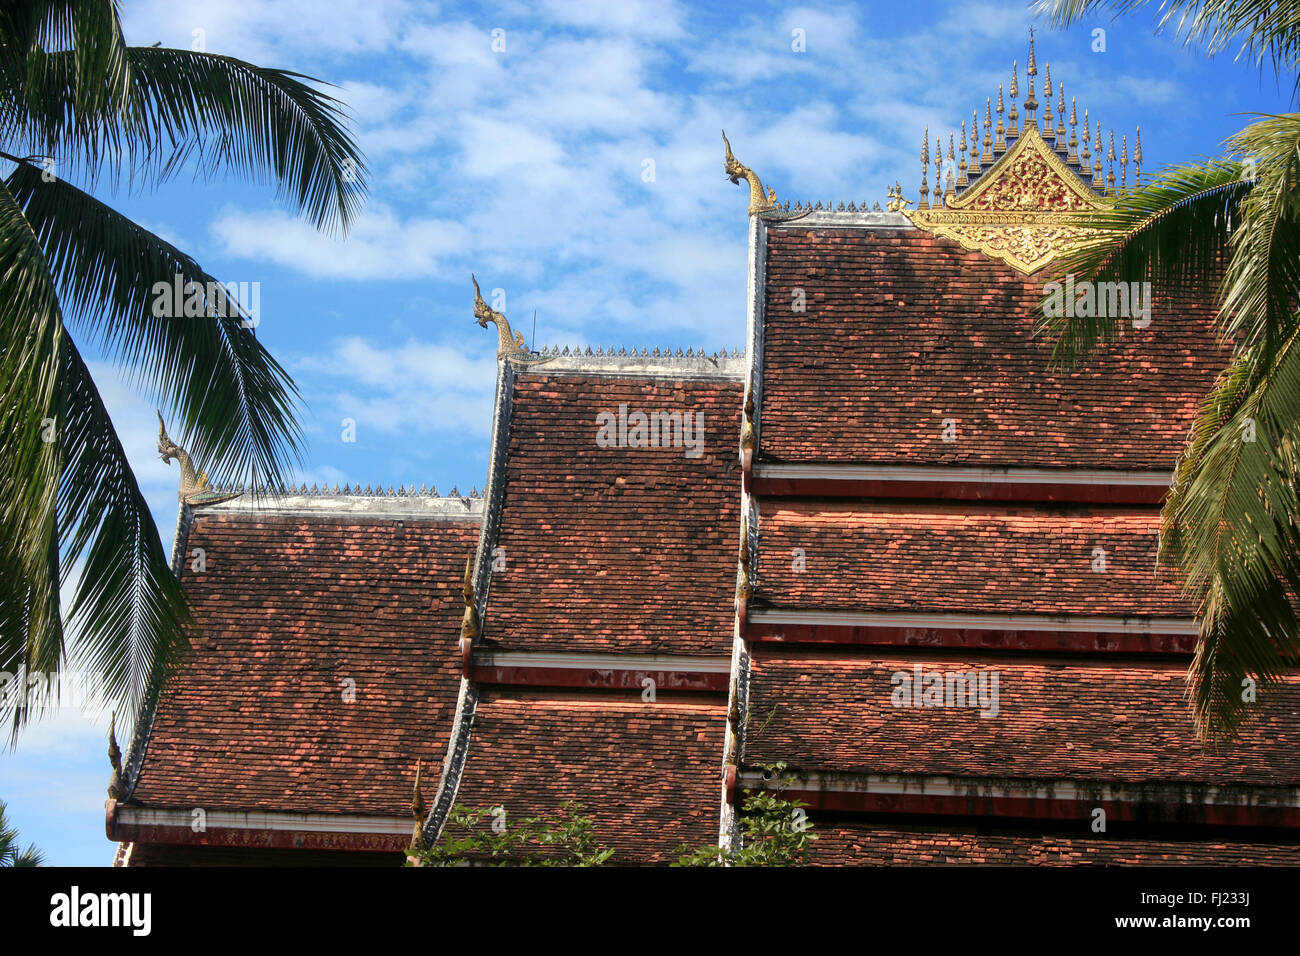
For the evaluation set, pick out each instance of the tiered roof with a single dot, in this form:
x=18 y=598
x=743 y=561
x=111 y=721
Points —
x=646 y=625
x=934 y=509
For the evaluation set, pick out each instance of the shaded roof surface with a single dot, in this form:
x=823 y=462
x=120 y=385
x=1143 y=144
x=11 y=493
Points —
x=617 y=548
x=962 y=557
x=290 y=609
x=1101 y=720
x=866 y=842
x=903 y=330
x=647 y=773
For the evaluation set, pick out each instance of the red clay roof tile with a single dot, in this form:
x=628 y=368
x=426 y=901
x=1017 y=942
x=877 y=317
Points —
x=290 y=608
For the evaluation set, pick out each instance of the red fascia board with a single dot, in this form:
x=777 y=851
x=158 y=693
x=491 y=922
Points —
x=601 y=678
x=961 y=490
x=1026 y=807
x=260 y=839
x=975 y=638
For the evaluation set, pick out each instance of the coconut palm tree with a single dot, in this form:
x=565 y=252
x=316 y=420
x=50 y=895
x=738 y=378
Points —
x=79 y=109
x=10 y=853
x=1231 y=523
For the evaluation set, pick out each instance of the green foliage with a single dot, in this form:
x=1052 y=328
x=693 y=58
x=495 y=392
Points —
x=564 y=838
x=774 y=831
x=76 y=103
x=1231 y=524
x=10 y=853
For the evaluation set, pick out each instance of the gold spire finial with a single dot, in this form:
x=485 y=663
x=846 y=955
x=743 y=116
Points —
x=938 y=173
x=509 y=345
x=417 y=814
x=923 y=201
x=962 y=180
x=987 y=156
x=114 y=760
x=760 y=199
x=1097 y=180
x=1123 y=165
x=1049 y=131
x=1137 y=160
x=1000 y=140
x=949 y=191
x=975 y=168
x=1073 y=157
x=469 y=623
x=1060 y=113
x=1031 y=70
x=1013 y=118
x=1110 y=165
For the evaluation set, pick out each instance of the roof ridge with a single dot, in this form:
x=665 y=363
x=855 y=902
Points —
x=645 y=352
x=347 y=491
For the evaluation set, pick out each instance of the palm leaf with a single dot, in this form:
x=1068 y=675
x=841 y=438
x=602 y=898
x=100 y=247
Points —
x=128 y=614
x=235 y=402
x=1261 y=29
x=1228 y=526
x=31 y=334
x=1171 y=232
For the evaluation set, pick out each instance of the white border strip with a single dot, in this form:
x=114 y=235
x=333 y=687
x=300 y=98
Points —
x=939 y=786
x=265 y=820
x=616 y=662
x=1153 y=479
x=994 y=622
x=361 y=506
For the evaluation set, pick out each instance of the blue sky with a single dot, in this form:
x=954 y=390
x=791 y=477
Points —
x=526 y=166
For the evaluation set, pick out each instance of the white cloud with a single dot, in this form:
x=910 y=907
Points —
x=381 y=245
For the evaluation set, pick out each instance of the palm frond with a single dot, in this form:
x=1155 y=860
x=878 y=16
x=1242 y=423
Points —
x=1260 y=29
x=264 y=124
x=128 y=613
x=1262 y=285
x=215 y=114
x=1171 y=232
x=1228 y=527
x=234 y=402
x=31 y=335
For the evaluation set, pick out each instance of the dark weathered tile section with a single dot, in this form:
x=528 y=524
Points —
x=289 y=608
x=963 y=557
x=616 y=548
x=903 y=330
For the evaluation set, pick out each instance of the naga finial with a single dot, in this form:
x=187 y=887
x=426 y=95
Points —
x=417 y=814
x=114 y=759
x=469 y=623
x=510 y=345
x=760 y=199
x=194 y=488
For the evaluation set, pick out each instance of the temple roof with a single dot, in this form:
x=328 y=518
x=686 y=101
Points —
x=1099 y=720
x=294 y=610
x=902 y=331
x=622 y=548
x=645 y=773
x=967 y=557
x=859 y=841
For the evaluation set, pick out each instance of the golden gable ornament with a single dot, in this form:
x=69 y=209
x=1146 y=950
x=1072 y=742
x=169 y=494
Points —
x=1019 y=199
